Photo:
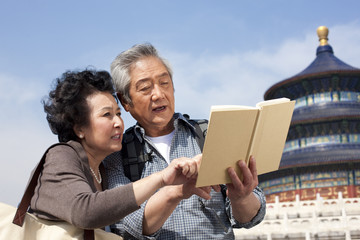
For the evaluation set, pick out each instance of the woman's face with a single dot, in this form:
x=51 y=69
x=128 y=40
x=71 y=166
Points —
x=104 y=133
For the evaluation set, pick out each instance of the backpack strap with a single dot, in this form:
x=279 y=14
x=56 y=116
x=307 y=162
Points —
x=200 y=130
x=133 y=156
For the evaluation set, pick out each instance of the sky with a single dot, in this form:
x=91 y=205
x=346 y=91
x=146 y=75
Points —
x=221 y=52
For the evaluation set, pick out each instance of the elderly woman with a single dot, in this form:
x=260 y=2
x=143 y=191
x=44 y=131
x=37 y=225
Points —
x=84 y=113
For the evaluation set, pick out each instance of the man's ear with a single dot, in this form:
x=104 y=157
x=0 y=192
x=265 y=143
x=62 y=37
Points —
x=125 y=105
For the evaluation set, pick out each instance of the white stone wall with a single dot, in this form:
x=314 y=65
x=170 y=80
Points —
x=318 y=219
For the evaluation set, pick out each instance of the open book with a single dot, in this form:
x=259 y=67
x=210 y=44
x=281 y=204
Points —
x=237 y=132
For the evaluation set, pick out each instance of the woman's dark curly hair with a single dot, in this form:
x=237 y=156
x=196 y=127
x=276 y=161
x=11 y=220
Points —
x=66 y=104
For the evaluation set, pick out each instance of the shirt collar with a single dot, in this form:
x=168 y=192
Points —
x=179 y=119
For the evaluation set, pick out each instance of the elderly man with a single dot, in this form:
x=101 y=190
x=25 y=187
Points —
x=143 y=81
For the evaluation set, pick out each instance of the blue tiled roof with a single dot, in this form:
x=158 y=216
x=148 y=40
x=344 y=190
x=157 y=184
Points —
x=325 y=61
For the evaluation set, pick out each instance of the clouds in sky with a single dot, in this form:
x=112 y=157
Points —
x=243 y=77
x=201 y=80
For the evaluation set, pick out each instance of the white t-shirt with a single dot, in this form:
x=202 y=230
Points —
x=163 y=144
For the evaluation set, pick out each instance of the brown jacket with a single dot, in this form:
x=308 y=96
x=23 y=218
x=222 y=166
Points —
x=66 y=191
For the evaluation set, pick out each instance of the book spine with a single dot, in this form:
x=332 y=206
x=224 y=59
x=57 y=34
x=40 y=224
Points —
x=252 y=139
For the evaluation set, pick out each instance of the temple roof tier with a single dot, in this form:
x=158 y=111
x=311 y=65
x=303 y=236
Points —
x=328 y=81
x=314 y=155
x=326 y=110
x=320 y=75
x=324 y=127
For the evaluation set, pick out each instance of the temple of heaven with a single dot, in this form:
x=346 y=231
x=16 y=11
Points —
x=322 y=150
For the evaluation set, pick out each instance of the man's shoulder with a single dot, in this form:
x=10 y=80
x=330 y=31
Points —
x=131 y=132
x=131 y=129
x=190 y=121
x=113 y=160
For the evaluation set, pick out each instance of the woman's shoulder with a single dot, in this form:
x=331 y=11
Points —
x=64 y=148
x=65 y=151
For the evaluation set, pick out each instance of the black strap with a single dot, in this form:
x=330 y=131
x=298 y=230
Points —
x=133 y=156
x=136 y=159
x=29 y=192
x=89 y=234
x=200 y=131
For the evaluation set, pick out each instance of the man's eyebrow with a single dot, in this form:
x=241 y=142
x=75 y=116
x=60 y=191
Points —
x=164 y=74
x=140 y=81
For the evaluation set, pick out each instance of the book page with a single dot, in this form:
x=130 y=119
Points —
x=230 y=107
x=227 y=141
x=272 y=102
x=270 y=135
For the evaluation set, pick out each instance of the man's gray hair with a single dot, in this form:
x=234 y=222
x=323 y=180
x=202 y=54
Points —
x=121 y=67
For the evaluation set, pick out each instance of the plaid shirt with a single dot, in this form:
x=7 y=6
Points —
x=193 y=218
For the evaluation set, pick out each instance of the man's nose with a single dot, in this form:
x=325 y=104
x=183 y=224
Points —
x=157 y=92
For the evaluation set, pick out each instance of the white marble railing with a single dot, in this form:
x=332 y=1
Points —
x=317 y=219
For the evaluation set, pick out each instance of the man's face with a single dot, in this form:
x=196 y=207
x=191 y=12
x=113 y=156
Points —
x=152 y=95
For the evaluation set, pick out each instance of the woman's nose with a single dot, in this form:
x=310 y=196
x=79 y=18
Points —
x=118 y=122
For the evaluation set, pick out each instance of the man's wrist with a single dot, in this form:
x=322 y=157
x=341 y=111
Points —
x=243 y=202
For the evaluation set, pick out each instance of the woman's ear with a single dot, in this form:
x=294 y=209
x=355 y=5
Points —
x=78 y=131
x=125 y=105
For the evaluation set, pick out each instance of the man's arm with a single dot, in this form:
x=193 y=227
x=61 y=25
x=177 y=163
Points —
x=161 y=205
x=245 y=205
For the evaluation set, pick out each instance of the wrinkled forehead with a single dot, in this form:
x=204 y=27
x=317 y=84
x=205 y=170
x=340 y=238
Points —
x=148 y=68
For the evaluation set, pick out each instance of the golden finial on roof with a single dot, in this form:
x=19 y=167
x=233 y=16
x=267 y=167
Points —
x=323 y=33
